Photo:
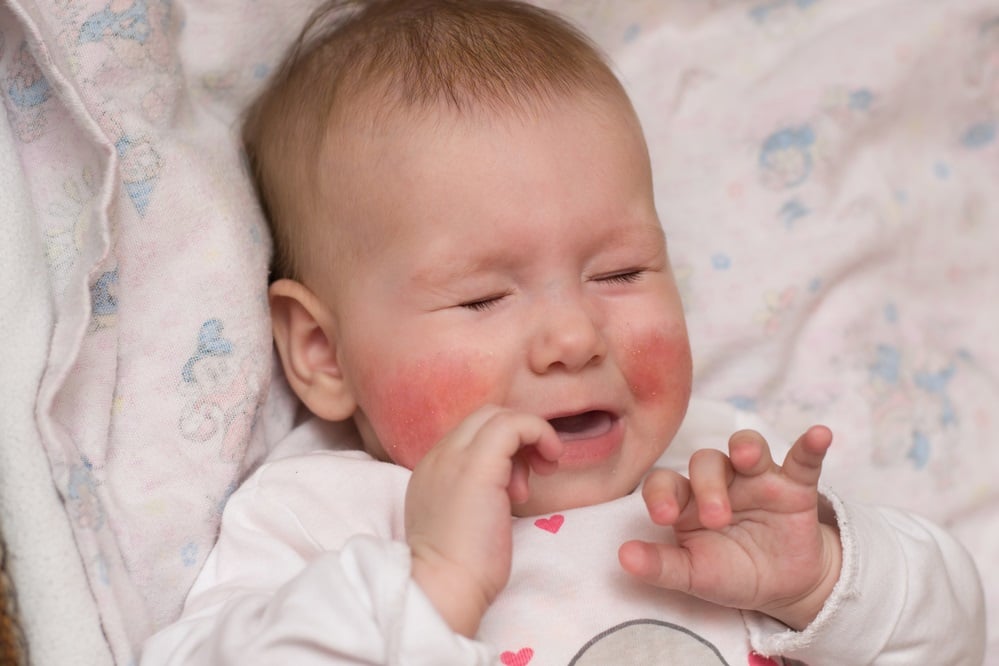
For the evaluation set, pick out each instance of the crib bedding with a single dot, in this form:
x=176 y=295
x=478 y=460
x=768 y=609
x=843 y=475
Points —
x=827 y=173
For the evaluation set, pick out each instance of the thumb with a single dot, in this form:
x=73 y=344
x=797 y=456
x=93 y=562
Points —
x=662 y=565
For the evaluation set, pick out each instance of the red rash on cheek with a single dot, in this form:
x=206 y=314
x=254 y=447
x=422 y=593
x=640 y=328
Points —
x=420 y=402
x=657 y=365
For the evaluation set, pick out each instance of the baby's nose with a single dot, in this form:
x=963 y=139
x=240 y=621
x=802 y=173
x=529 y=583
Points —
x=567 y=336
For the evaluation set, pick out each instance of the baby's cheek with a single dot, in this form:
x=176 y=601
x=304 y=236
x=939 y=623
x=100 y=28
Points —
x=419 y=403
x=657 y=365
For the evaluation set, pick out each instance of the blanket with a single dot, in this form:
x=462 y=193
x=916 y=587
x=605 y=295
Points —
x=46 y=597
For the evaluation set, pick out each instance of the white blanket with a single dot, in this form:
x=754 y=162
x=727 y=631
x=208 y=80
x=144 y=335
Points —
x=56 y=608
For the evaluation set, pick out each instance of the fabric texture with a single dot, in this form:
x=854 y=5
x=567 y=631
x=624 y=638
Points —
x=56 y=620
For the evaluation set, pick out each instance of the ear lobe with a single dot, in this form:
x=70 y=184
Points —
x=305 y=337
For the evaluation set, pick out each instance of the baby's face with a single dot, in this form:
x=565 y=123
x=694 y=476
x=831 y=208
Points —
x=516 y=262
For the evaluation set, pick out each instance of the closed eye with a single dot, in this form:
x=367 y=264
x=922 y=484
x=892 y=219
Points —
x=624 y=277
x=482 y=304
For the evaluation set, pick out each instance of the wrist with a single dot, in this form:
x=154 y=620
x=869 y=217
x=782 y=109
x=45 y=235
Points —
x=453 y=591
x=806 y=608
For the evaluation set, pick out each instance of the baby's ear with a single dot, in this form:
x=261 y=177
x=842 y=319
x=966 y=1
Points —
x=305 y=337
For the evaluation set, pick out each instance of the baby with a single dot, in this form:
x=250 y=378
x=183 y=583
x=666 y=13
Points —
x=473 y=287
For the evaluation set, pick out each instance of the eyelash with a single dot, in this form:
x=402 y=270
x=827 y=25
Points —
x=628 y=277
x=482 y=304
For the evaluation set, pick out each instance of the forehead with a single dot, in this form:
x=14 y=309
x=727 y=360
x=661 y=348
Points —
x=401 y=177
x=375 y=113
x=433 y=149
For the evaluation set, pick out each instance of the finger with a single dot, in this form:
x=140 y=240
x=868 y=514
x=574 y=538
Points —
x=749 y=453
x=803 y=463
x=464 y=433
x=666 y=495
x=548 y=447
x=537 y=463
x=710 y=475
x=513 y=444
x=528 y=430
x=662 y=565
x=497 y=431
x=518 y=489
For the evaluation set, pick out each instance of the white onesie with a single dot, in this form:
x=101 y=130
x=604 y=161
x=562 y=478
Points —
x=312 y=567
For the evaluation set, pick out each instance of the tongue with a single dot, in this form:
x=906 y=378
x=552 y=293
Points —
x=582 y=426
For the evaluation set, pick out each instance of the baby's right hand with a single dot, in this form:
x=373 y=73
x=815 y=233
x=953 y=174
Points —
x=458 y=507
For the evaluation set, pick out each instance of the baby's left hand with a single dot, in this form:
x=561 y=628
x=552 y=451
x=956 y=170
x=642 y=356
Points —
x=747 y=530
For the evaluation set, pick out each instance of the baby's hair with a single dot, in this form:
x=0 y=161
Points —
x=372 y=58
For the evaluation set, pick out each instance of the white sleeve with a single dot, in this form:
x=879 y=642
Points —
x=272 y=593
x=908 y=593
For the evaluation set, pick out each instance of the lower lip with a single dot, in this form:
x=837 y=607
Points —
x=581 y=453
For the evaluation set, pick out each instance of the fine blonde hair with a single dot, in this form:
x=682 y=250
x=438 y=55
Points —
x=465 y=55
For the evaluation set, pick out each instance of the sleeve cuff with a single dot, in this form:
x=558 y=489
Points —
x=908 y=593
x=835 y=631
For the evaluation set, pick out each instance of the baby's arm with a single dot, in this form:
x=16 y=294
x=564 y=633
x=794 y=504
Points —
x=308 y=570
x=748 y=530
x=458 y=509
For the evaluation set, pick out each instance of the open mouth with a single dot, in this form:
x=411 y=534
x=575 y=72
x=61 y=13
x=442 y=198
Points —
x=585 y=425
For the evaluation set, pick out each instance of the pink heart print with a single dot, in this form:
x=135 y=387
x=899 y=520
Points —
x=760 y=660
x=553 y=524
x=521 y=657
